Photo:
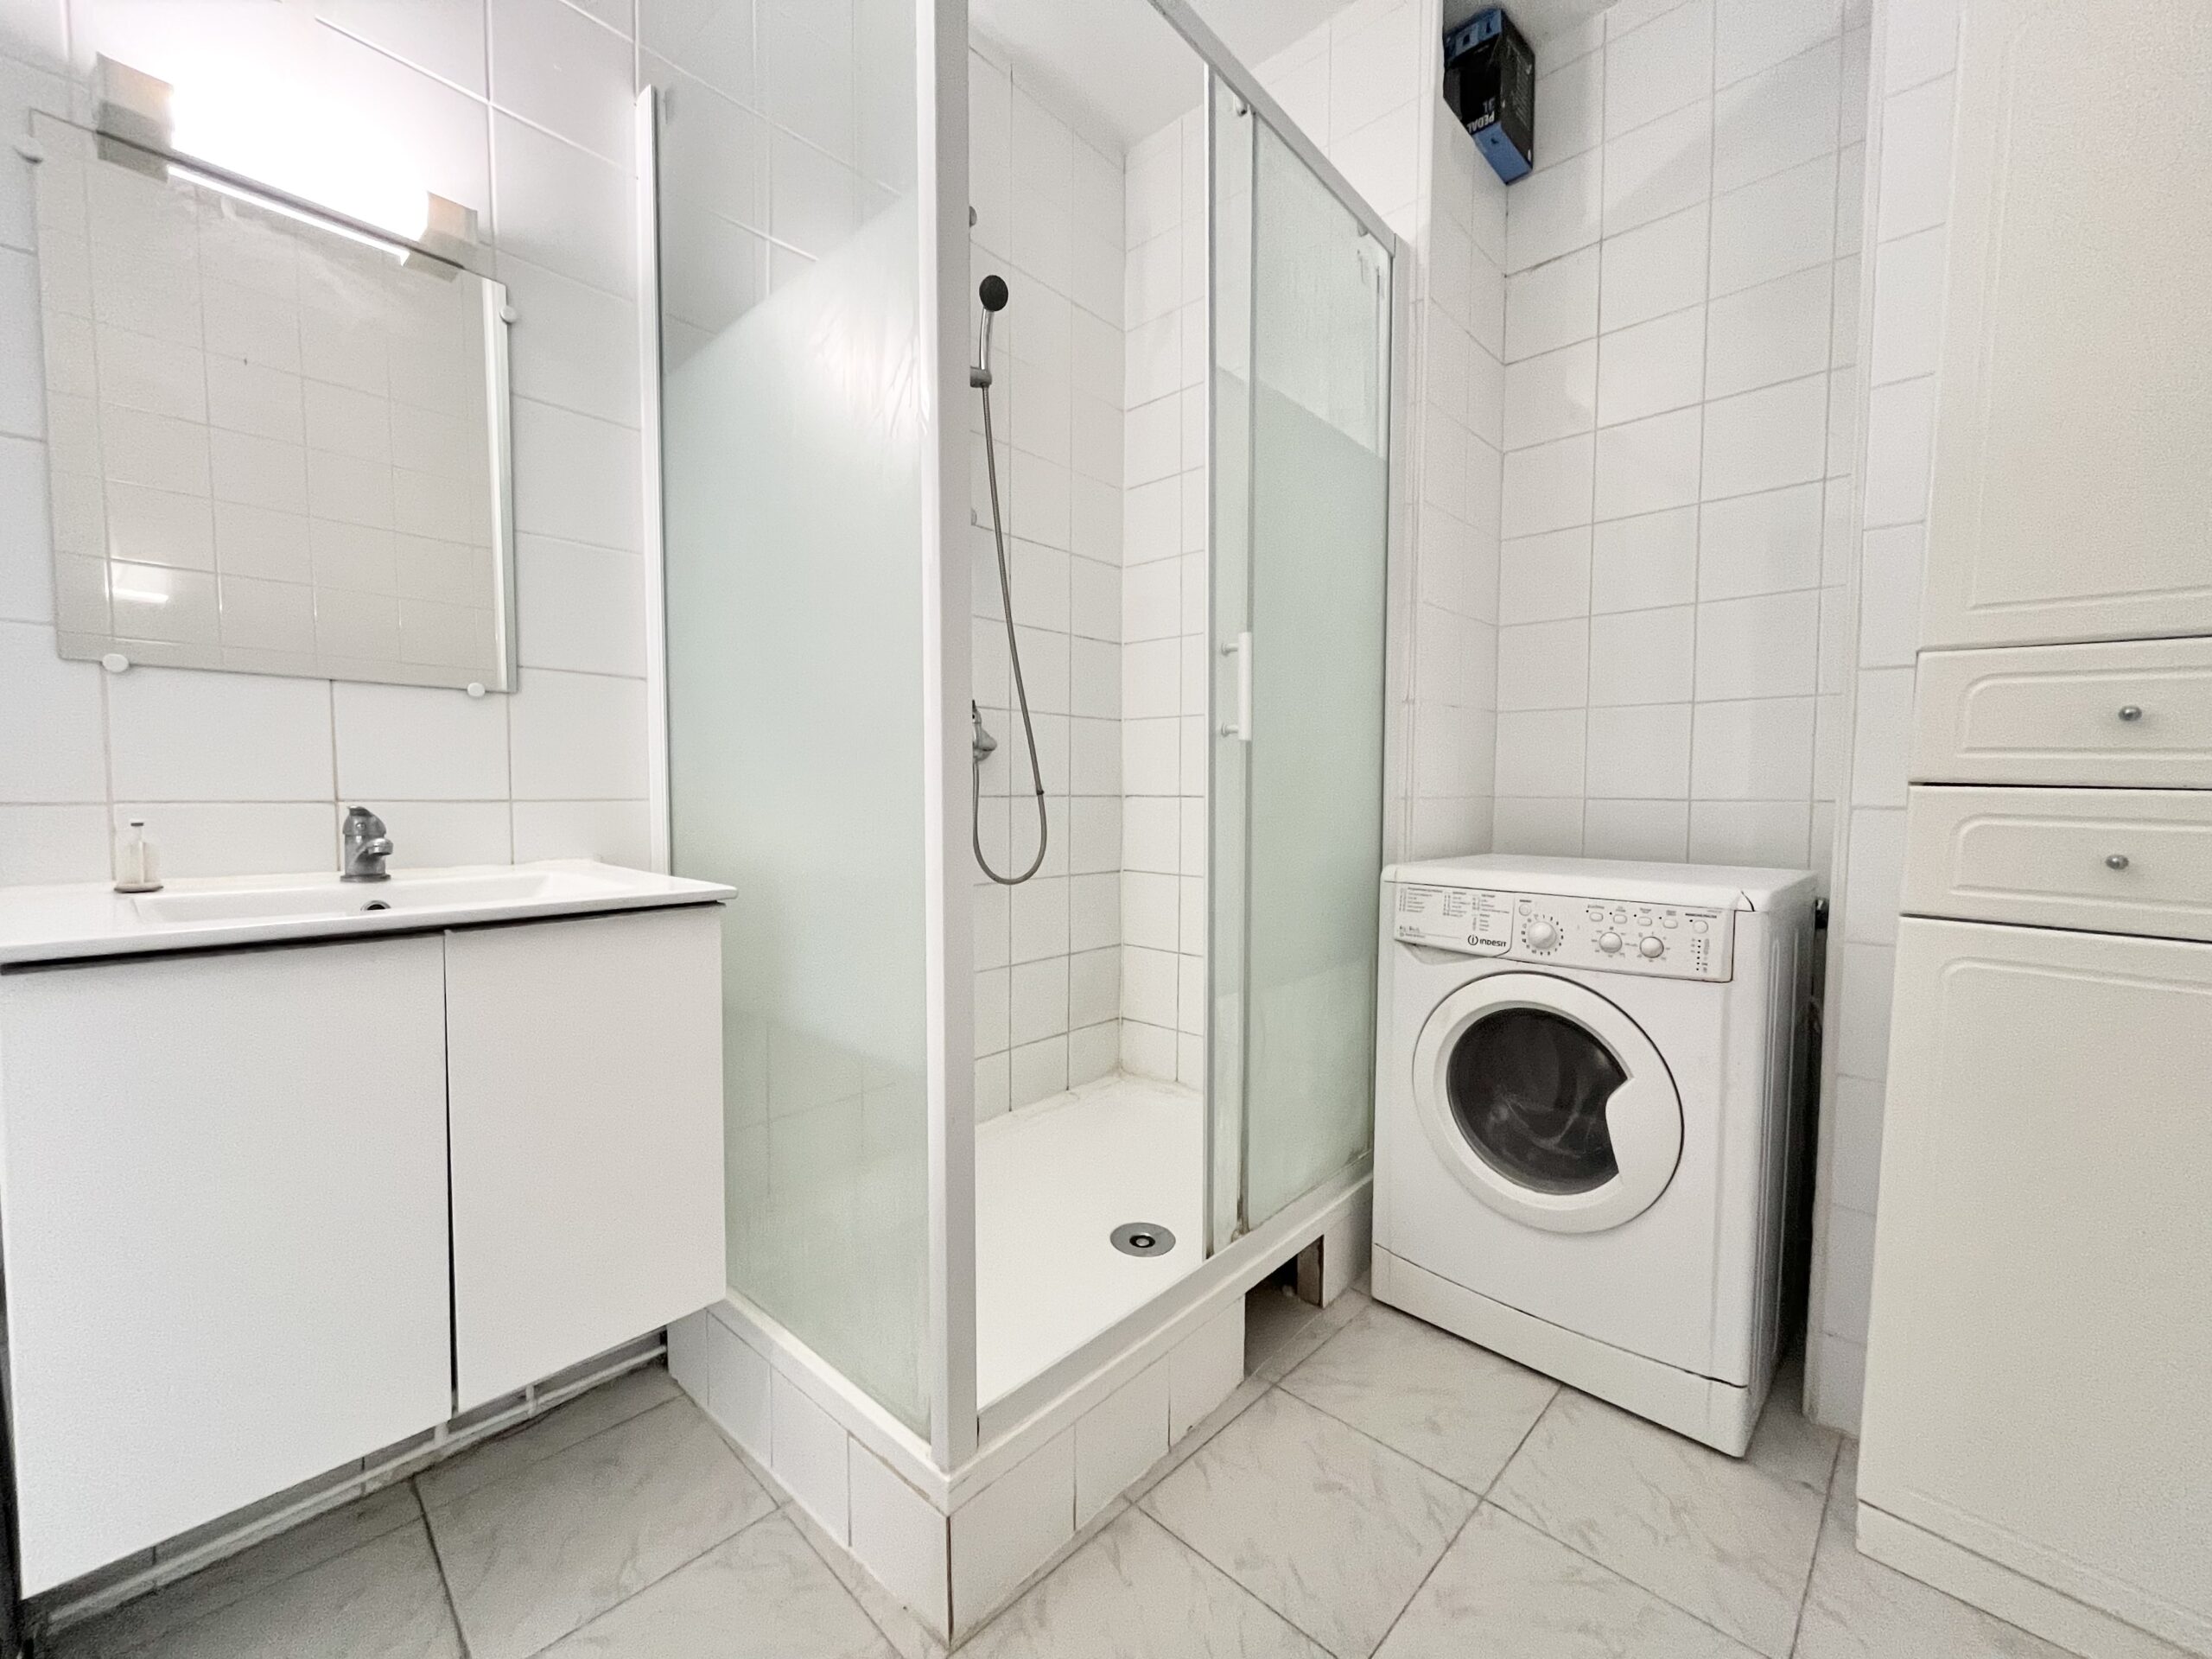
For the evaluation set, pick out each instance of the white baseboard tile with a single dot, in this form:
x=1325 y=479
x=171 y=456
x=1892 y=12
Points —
x=1010 y=1528
x=1204 y=1368
x=1120 y=1438
x=807 y=1451
x=901 y=1539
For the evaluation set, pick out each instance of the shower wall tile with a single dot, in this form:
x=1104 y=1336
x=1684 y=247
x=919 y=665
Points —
x=236 y=774
x=1690 y=525
x=1049 y=217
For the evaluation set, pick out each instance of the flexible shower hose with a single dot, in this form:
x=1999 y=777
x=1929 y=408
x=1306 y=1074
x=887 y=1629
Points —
x=982 y=382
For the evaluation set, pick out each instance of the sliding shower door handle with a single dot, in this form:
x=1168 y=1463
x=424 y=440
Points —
x=1241 y=649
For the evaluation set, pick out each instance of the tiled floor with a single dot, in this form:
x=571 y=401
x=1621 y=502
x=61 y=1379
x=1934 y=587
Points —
x=1376 y=1487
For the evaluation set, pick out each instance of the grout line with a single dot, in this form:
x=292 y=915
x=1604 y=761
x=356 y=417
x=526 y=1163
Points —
x=438 y=1559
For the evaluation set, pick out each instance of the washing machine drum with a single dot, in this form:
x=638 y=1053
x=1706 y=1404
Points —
x=1548 y=1103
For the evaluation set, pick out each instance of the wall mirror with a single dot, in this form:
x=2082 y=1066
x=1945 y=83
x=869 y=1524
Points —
x=278 y=440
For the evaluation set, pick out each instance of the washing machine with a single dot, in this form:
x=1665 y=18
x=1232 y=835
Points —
x=1586 y=1117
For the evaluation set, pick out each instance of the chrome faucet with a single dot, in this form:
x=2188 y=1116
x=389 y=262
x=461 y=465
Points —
x=367 y=846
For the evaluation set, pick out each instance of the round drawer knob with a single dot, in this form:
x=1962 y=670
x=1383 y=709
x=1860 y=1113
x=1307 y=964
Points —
x=2130 y=711
x=2115 y=860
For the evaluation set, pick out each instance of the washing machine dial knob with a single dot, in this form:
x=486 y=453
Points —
x=1542 y=935
x=1609 y=943
x=1653 y=945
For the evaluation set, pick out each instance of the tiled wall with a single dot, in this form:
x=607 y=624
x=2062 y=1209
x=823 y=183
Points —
x=521 y=109
x=1679 y=333
x=1365 y=88
x=1911 y=148
x=1048 y=201
x=1164 y=743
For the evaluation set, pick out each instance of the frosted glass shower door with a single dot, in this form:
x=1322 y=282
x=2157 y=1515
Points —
x=796 y=436
x=1302 y=524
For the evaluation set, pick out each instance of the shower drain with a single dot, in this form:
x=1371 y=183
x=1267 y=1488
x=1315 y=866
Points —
x=1143 y=1238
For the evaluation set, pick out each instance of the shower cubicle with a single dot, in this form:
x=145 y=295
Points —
x=832 y=612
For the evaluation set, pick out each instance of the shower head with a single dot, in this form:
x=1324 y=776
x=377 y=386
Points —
x=992 y=292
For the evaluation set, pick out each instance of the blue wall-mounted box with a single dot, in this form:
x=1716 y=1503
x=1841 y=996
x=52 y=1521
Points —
x=1490 y=81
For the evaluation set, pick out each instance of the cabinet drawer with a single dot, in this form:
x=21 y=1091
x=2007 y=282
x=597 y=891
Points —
x=2104 y=860
x=2057 y=715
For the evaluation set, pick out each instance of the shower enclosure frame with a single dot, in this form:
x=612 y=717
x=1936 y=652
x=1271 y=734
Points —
x=969 y=1443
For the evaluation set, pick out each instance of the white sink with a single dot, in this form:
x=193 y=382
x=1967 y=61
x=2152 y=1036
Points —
x=60 y=923
x=326 y=896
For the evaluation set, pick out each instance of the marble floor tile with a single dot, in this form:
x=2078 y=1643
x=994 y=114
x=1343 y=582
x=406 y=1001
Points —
x=1505 y=1591
x=588 y=1413
x=909 y=1637
x=762 y=1595
x=1240 y=1398
x=1136 y=1592
x=381 y=1600
x=546 y=1549
x=1784 y=1442
x=1459 y=1408
x=309 y=1545
x=1723 y=1538
x=1859 y=1609
x=1333 y=1530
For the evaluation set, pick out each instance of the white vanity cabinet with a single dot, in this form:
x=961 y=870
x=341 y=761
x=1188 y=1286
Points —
x=223 y=1192
x=286 y=1181
x=584 y=1060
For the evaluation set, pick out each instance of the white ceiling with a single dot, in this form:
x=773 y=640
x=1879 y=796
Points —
x=1120 y=63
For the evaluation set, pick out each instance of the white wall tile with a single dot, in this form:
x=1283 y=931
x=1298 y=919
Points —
x=1656 y=67
x=1544 y=578
x=1640 y=751
x=177 y=735
x=1783 y=223
x=1552 y=396
x=1551 y=826
x=1658 y=170
x=51 y=749
x=1908 y=307
x=1548 y=487
x=1757 y=749
x=614 y=832
x=1915 y=159
x=1552 y=305
x=1900 y=440
x=1774 y=834
x=1654 y=268
x=1766 y=646
x=1755 y=35
x=1556 y=212
x=1643 y=656
x=1777 y=118
x=1645 y=829
x=1540 y=753
x=44 y=844
x=1649 y=466
x=1543 y=665
x=1777 y=331
x=1766 y=439
x=1642 y=562
x=575 y=737
x=1764 y=543
x=1651 y=367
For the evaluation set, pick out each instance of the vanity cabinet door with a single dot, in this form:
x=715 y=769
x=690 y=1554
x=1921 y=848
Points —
x=223 y=1201
x=2040 y=1357
x=584 y=1059
x=2071 y=497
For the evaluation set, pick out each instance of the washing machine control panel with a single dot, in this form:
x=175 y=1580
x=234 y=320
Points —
x=1618 y=936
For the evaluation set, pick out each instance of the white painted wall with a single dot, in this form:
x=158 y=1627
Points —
x=1912 y=105
x=1680 y=343
x=520 y=109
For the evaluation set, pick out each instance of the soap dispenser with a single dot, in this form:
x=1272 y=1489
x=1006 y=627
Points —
x=137 y=866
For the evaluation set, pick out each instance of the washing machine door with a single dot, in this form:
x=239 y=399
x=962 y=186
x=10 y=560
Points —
x=1548 y=1103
